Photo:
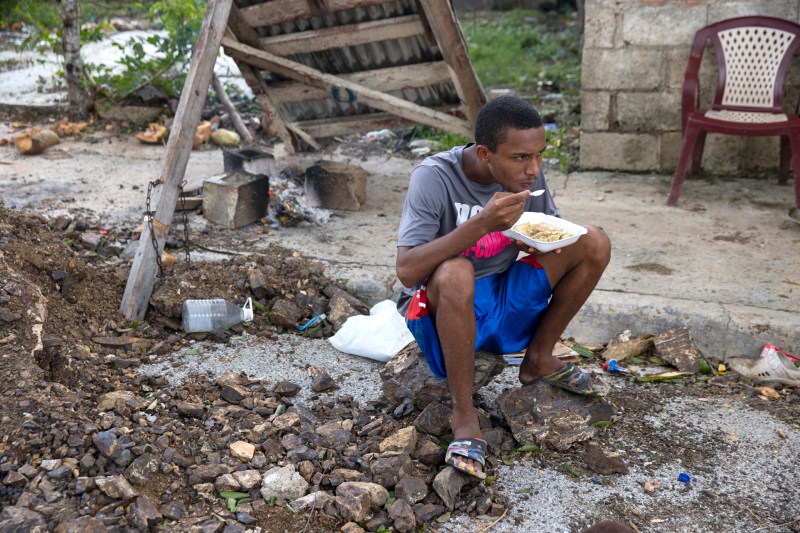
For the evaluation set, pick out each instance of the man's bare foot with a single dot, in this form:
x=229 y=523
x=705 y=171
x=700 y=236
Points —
x=541 y=366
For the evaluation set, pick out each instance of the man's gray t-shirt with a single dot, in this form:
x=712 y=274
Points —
x=440 y=198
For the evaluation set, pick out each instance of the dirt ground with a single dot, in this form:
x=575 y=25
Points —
x=69 y=214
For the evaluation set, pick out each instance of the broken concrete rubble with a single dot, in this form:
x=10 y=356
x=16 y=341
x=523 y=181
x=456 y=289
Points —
x=542 y=413
x=407 y=377
x=333 y=185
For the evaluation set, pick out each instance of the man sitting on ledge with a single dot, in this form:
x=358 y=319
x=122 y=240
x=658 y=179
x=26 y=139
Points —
x=467 y=291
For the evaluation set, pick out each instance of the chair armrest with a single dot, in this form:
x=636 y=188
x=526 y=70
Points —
x=691 y=84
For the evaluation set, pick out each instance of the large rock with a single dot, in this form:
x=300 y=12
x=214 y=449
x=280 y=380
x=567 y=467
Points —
x=447 y=485
x=377 y=493
x=21 y=519
x=542 y=413
x=283 y=483
x=407 y=376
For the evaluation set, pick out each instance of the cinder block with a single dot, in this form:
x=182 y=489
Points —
x=649 y=112
x=336 y=185
x=663 y=25
x=248 y=160
x=723 y=154
x=595 y=109
x=764 y=155
x=670 y=150
x=622 y=69
x=619 y=151
x=599 y=26
x=782 y=9
x=235 y=199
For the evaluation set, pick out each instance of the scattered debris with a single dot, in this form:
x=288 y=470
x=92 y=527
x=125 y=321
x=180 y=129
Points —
x=154 y=134
x=623 y=346
x=35 y=141
x=676 y=347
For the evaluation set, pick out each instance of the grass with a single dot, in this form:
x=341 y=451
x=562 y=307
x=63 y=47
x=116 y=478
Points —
x=536 y=55
x=532 y=52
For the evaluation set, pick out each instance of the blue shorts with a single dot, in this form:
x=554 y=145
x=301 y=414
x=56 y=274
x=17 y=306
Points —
x=507 y=307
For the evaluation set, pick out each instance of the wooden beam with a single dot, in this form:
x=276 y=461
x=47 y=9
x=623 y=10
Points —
x=370 y=97
x=272 y=120
x=236 y=118
x=384 y=79
x=332 y=127
x=277 y=11
x=442 y=20
x=179 y=147
x=342 y=36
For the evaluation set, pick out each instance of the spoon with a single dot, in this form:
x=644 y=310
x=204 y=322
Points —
x=537 y=193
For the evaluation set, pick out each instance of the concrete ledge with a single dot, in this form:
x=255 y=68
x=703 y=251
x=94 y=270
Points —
x=721 y=330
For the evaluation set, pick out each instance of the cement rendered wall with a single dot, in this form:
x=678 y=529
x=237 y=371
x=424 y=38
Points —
x=634 y=58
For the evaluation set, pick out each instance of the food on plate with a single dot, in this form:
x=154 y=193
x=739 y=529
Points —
x=541 y=231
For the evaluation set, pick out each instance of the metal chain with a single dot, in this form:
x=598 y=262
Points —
x=149 y=215
x=185 y=219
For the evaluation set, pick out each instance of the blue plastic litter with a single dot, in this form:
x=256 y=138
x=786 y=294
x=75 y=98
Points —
x=684 y=477
x=612 y=367
x=311 y=322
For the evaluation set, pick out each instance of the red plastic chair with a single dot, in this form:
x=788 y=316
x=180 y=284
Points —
x=753 y=55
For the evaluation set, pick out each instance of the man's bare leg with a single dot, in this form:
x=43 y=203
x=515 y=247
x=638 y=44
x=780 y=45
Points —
x=573 y=274
x=450 y=293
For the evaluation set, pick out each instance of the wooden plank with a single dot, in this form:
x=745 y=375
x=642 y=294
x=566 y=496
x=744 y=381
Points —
x=271 y=120
x=384 y=79
x=332 y=127
x=378 y=100
x=305 y=42
x=179 y=147
x=442 y=20
x=278 y=11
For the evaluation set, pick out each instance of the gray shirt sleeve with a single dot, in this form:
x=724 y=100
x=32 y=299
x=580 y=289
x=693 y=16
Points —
x=423 y=208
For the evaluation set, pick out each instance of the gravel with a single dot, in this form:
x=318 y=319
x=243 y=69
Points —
x=285 y=358
x=749 y=457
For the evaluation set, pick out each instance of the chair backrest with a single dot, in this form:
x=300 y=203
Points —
x=753 y=56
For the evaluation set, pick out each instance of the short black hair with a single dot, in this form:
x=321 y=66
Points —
x=500 y=114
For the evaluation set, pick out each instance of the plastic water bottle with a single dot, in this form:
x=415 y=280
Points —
x=217 y=314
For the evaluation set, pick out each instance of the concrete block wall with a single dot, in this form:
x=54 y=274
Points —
x=634 y=58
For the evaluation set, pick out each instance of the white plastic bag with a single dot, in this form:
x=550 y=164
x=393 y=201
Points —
x=379 y=335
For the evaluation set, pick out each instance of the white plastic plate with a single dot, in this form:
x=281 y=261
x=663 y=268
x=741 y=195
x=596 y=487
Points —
x=559 y=223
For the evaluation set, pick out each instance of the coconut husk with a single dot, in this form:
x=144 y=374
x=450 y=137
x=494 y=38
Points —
x=623 y=346
x=35 y=141
x=154 y=134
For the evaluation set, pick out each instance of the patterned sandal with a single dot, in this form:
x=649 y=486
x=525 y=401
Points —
x=573 y=379
x=474 y=449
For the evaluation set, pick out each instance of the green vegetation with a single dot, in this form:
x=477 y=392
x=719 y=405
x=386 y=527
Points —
x=165 y=70
x=531 y=52
x=535 y=54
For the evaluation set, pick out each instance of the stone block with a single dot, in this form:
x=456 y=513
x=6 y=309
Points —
x=676 y=22
x=763 y=155
x=676 y=58
x=335 y=185
x=595 y=110
x=619 y=151
x=625 y=69
x=248 y=160
x=670 y=150
x=235 y=199
x=599 y=26
x=723 y=154
x=784 y=9
x=648 y=112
